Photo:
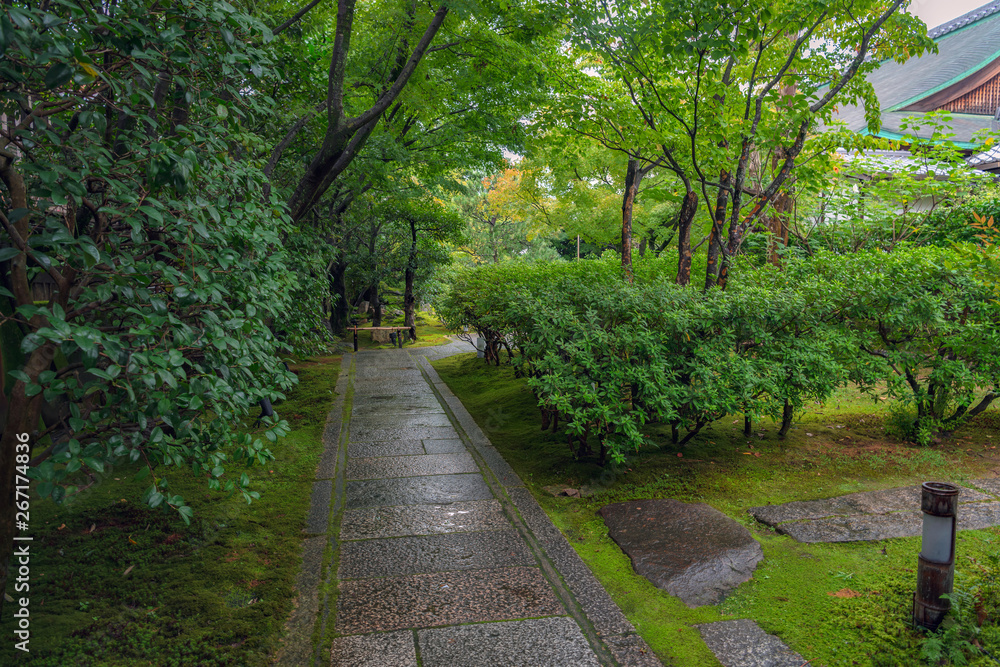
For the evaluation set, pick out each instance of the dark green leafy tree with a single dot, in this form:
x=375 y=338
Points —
x=140 y=265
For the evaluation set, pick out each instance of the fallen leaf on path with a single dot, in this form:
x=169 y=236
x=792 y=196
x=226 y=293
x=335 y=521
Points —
x=845 y=593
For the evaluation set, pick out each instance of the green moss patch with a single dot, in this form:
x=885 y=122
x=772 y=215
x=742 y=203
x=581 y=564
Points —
x=116 y=583
x=836 y=604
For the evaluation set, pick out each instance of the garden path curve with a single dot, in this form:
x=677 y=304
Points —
x=424 y=543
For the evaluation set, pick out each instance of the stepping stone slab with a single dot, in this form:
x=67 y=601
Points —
x=363 y=424
x=444 y=446
x=410 y=466
x=382 y=389
x=692 y=551
x=865 y=502
x=397 y=556
x=428 y=490
x=991 y=486
x=871 y=515
x=386 y=448
x=384 y=649
x=742 y=643
x=363 y=434
x=444 y=598
x=542 y=642
x=373 y=522
x=405 y=405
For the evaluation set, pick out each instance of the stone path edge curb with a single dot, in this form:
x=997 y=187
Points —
x=334 y=443
x=614 y=633
x=298 y=646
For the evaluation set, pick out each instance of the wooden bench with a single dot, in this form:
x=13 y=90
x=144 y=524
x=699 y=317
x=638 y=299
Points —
x=399 y=338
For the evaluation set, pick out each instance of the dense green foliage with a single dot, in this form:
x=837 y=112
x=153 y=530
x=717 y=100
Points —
x=610 y=356
x=125 y=191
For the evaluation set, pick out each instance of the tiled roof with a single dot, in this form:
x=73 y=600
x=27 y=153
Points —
x=965 y=46
x=965 y=19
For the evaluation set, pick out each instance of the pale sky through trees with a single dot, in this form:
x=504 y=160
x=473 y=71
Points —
x=936 y=12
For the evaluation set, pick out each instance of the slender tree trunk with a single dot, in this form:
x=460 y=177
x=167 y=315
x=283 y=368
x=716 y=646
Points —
x=684 y=220
x=376 y=303
x=341 y=309
x=633 y=175
x=409 y=302
x=786 y=419
x=715 y=241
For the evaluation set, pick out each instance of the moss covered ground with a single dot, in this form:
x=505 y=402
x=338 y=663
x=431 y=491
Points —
x=116 y=583
x=837 y=604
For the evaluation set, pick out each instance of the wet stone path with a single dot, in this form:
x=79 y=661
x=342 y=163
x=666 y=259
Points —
x=426 y=548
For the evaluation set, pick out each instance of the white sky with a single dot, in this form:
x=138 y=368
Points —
x=936 y=12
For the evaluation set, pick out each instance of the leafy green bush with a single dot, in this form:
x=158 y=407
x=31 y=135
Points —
x=129 y=193
x=610 y=356
x=926 y=321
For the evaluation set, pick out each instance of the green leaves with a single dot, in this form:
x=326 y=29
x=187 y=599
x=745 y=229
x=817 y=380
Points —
x=57 y=75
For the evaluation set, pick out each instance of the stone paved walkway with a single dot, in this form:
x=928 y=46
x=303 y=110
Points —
x=425 y=545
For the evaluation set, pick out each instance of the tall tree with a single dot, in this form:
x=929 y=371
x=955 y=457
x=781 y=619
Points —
x=706 y=81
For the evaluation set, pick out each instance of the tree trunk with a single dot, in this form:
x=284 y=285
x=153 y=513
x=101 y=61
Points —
x=786 y=419
x=376 y=304
x=633 y=175
x=684 y=220
x=409 y=302
x=341 y=309
x=715 y=271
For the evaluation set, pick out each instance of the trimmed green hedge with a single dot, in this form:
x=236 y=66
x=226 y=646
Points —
x=607 y=356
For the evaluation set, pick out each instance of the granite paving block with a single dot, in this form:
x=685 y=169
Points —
x=991 y=486
x=444 y=446
x=405 y=405
x=297 y=646
x=383 y=649
x=542 y=642
x=417 y=420
x=398 y=556
x=318 y=520
x=417 y=490
x=407 y=386
x=360 y=434
x=690 y=550
x=360 y=425
x=396 y=390
x=444 y=598
x=865 y=502
x=742 y=643
x=372 y=522
x=410 y=466
x=389 y=448
x=631 y=650
x=869 y=527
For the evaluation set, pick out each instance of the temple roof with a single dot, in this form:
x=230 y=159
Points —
x=968 y=60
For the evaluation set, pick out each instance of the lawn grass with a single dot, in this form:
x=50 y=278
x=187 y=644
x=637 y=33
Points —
x=836 y=448
x=116 y=583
